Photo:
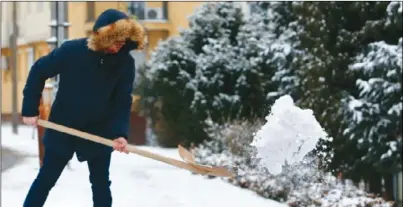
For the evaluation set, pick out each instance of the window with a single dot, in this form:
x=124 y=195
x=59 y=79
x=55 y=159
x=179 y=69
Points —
x=90 y=11
x=137 y=9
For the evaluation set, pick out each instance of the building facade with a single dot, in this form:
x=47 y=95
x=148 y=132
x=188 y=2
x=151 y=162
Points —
x=161 y=19
x=33 y=25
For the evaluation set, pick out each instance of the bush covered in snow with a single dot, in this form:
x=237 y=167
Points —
x=376 y=113
x=222 y=67
x=350 y=80
x=304 y=184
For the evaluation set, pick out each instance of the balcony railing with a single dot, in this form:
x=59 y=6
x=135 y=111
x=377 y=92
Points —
x=143 y=12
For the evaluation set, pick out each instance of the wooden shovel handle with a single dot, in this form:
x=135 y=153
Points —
x=110 y=143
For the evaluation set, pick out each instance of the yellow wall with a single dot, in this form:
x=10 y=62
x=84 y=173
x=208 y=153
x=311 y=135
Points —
x=40 y=49
x=177 y=19
x=178 y=13
x=155 y=36
x=78 y=16
x=154 y=4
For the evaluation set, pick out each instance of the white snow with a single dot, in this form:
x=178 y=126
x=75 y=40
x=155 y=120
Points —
x=136 y=181
x=53 y=39
x=289 y=134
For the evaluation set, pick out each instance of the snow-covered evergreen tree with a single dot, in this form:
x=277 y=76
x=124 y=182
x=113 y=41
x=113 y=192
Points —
x=282 y=20
x=377 y=112
x=169 y=73
x=212 y=21
x=257 y=67
x=375 y=122
x=222 y=67
x=180 y=66
x=218 y=67
x=268 y=52
x=332 y=34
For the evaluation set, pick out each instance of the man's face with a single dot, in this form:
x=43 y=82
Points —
x=116 y=47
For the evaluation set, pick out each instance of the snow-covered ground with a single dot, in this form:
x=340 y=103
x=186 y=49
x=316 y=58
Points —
x=136 y=181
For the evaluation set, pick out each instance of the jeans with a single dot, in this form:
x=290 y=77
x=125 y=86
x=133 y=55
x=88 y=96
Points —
x=52 y=168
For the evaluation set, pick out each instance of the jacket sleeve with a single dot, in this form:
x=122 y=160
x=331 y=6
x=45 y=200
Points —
x=45 y=67
x=122 y=102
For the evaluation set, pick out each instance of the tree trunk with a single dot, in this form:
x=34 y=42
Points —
x=375 y=185
x=389 y=194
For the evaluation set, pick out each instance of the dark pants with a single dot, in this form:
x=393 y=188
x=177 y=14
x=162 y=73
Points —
x=51 y=170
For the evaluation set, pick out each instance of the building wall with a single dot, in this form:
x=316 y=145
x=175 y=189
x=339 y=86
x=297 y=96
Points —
x=178 y=13
x=5 y=23
x=78 y=16
x=27 y=54
x=33 y=19
x=154 y=37
x=157 y=30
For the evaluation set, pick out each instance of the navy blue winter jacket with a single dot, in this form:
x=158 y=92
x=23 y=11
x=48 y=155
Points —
x=95 y=87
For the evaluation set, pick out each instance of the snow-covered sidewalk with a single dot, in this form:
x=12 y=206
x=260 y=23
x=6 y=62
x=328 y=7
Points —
x=136 y=181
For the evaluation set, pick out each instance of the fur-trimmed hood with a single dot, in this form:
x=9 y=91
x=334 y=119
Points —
x=113 y=25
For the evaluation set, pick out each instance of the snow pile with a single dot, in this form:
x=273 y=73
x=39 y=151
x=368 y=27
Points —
x=289 y=134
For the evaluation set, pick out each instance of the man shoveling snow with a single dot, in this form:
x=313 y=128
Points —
x=96 y=77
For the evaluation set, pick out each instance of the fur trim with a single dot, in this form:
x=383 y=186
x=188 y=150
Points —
x=120 y=30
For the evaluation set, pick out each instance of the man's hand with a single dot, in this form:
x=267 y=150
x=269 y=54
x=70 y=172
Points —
x=33 y=121
x=120 y=145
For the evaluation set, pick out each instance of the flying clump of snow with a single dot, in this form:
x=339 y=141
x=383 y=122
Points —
x=289 y=134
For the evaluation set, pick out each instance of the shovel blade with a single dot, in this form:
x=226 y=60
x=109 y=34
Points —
x=209 y=170
x=185 y=154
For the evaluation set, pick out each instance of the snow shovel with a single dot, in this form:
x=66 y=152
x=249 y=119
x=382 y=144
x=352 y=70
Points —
x=189 y=163
x=216 y=171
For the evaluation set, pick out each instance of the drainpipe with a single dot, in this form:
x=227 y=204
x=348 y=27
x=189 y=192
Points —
x=13 y=58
